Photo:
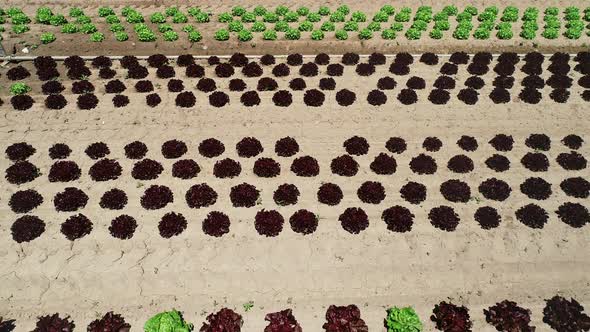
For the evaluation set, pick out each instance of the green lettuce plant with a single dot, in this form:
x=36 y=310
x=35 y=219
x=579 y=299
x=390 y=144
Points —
x=436 y=34
x=317 y=35
x=121 y=36
x=258 y=26
x=88 y=28
x=282 y=26
x=13 y=11
x=238 y=11
x=314 y=17
x=76 y=12
x=20 y=28
x=328 y=26
x=245 y=35
x=510 y=14
x=344 y=9
x=69 y=28
x=171 y=11
x=481 y=34
x=337 y=16
x=413 y=34
x=269 y=35
x=158 y=18
x=193 y=11
x=248 y=17
x=202 y=17
x=105 y=11
x=403 y=320
x=126 y=10
x=179 y=18
x=270 y=17
x=140 y=26
x=83 y=19
x=388 y=34
x=225 y=17
x=550 y=33
x=170 y=35
x=117 y=27
x=221 y=35
x=553 y=11
x=134 y=17
x=530 y=14
x=504 y=34
x=194 y=36
x=442 y=25
x=440 y=16
x=111 y=19
x=341 y=35
x=402 y=16
x=324 y=11
x=167 y=321
x=573 y=33
x=381 y=17
x=471 y=10
x=351 y=26
x=464 y=16
x=419 y=25
x=462 y=33
x=302 y=11
x=19 y=88
x=305 y=26
x=397 y=26
x=450 y=10
x=260 y=11
x=146 y=35
x=57 y=20
x=374 y=26
x=235 y=26
x=43 y=15
x=20 y=18
x=359 y=16
x=291 y=17
x=365 y=34
x=282 y=10
x=292 y=34
x=388 y=9
x=165 y=27
x=528 y=34
x=97 y=37
x=47 y=38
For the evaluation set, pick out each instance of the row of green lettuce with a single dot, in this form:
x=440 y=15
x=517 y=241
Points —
x=293 y=24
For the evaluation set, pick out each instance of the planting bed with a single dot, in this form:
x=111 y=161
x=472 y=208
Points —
x=316 y=190
x=285 y=190
x=397 y=81
x=219 y=28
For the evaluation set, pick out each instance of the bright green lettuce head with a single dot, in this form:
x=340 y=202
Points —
x=403 y=320
x=167 y=321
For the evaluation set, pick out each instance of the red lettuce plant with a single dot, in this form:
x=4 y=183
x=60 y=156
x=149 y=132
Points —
x=282 y=321
x=225 y=320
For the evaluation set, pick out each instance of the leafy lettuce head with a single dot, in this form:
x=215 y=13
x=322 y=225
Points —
x=403 y=320
x=167 y=321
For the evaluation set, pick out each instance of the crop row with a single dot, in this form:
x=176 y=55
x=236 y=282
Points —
x=478 y=65
x=268 y=223
x=532 y=84
x=293 y=24
x=105 y=169
x=249 y=147
x=559 y=313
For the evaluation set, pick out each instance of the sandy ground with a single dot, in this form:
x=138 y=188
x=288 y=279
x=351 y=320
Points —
x=376 y=269
x=80 y=44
